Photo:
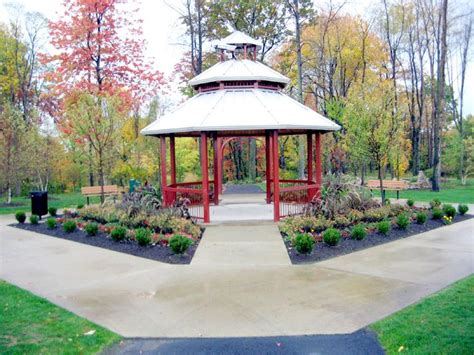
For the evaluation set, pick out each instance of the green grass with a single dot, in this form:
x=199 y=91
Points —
x=66 y=200
x=439 y=324
x=30 y=324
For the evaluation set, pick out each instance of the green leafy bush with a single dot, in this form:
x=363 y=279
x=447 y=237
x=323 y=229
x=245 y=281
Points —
x=421 y=218
x=80 y=206
x=53 y=211
x=410 y=203
x=34 y=219
x=437 y=213
x=118 y=233
x=358 y=232
x=179 y=244
x=51 y=223
x=462 y=209
x=377 y=214
x=20 y=217
x=143 y=236
x=449 y=210
x=331 y=236
x=403 y=221
x=69 y=226
x=341 y=221
x=303 y=243
x=435 y=203
x=383 y=227
x=91 y=229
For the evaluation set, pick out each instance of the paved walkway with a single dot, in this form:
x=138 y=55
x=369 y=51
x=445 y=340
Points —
x=137 y=297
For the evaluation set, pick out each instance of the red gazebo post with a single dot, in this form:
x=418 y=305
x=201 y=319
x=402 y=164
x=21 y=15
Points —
x=318 y=158
x=205 y=177
x=163 y=169
x=172 y=166
x=276 y=177
x=216 y=168
x=268 y=166
x=309 y=148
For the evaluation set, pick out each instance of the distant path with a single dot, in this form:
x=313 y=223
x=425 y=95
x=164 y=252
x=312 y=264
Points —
x=242 y=189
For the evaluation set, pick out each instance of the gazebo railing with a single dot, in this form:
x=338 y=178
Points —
x=295 y=195
x=192 y=191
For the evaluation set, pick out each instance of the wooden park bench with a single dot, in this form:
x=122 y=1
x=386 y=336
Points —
x=392 y=185
x=109 y=190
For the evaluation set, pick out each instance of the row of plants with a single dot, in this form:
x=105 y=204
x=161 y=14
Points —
x=344 y=212
x=137 y=218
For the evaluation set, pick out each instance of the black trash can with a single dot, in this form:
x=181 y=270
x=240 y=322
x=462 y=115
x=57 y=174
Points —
x=39 y=203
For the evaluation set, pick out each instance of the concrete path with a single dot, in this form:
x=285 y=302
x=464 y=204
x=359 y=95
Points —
x=142 y=298
x=252 y=244
x=242 y=207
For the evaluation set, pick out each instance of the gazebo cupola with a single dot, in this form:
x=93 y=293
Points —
x=238 y=97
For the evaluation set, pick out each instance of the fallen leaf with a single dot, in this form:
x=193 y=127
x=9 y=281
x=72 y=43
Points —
x=90 y=332
x=401 y=348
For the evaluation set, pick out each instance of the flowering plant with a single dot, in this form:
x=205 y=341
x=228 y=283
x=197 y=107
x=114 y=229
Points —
x=447 y=220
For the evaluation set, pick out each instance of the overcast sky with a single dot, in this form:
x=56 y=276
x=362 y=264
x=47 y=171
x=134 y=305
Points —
x=163 y=32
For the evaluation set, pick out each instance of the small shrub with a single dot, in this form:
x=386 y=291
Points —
x=91 y=229
x=383 y=227
x=118 y=233
x=449 y=210
x=34 y=219
x=437 y=213
x=303 y=243
x=358 y=232
x=20 y=217
x=331 y=236
x=462 y=209
x=69 y=226
x=53 y=211
x=421 y=218
x=410 y=203
x=403 y=221
x=51 y=223
x=341 y=221
x=377 y=214
x=179 y=244
x=80 y=206
x=447 y=220
x=435 y=203
x=143 y=236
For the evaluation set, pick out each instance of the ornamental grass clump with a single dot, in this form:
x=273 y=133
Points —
x=437 y=213
x=359 y=232
x=421 y=217
x=410 y=203
x=53 y=211
x=91 y=229
x=34 y=219
x=118 y=233
x=51 y=223
x=20 y=217
x=303 y=243
x=403 y=221
x=179 y=244
x=462 y=209
x=449 y=210
x=383 y=227
x=331 y=236
x=143 y=236
x=69 y=226
x=435 y=203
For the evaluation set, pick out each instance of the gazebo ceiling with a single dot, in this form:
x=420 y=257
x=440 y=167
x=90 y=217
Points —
x=239 y=111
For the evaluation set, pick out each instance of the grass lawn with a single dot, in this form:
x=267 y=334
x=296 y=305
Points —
x=439 y=324
x=30 y=324
x=66 y=200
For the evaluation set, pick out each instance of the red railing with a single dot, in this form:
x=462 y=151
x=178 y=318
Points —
x=295 y=195
x=192 y=191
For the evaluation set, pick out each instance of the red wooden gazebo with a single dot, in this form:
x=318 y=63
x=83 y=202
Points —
x=240 y=97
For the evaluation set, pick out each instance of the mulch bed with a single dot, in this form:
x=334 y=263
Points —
x=101 y=240
x=322 y=251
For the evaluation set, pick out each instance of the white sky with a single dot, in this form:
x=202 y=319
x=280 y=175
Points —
x=164 y=32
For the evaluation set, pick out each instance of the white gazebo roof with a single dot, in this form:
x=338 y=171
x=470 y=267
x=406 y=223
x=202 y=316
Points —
x=235 y=70
x=237 y=111
x=239 y=39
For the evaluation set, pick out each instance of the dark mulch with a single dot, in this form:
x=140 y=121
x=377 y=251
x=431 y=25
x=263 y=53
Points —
x=322 y=251
x=155 y=252
x=242 y=189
